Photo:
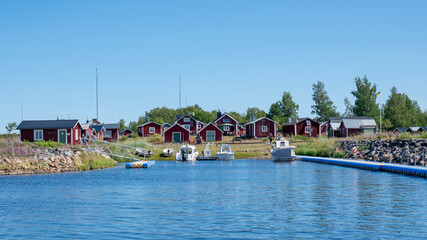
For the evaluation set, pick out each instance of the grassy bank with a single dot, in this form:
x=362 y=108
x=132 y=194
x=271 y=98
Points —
x=319 y=147
x=93 y=161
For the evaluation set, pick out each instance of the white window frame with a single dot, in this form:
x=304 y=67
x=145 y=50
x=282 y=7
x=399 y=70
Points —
x=307 y=129
x=226 y=128
x=76 y=132
x=226 y=120
x=187 y=119
x=264 y=128
x=35 y=135
x=308 y=122
x=151 y=130
x=187 y=126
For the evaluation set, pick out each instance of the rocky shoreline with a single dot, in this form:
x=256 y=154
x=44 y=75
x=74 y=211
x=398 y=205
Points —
x=400 y=151
x=46 y=160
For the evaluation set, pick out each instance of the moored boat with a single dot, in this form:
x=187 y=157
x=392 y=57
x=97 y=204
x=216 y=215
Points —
x=167 y=152
x=187 y=153
x=282 y=151
x=225 y=153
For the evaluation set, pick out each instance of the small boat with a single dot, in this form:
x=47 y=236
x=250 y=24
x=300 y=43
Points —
x=225 y=153
x=143 y=152
x=167 y=152
x=207 y=154
x=282 y=151
x=187 y=153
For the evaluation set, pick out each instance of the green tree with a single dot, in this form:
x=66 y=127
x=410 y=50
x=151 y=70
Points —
x=254 y=111
x=10 y=127
x=275 y=112
x=237 y=116
x=288 y=106
x=401 y=111
x=122 y=123
x=365 y=103
x=349 y=108
x=323 y=106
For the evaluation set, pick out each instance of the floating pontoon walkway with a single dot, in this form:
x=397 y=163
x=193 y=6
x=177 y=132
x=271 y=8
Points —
x=374 y=166
x=140 y=164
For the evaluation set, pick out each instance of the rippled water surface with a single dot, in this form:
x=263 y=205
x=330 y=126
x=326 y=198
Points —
x=242 y=199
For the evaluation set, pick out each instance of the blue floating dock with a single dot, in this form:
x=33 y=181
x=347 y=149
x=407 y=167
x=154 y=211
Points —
x=140 y=164
x=374 y=166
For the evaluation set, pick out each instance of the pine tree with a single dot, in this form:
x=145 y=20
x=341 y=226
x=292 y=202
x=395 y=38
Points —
x=323 y=106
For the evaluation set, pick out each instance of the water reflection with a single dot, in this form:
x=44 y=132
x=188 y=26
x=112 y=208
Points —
x=235 y=199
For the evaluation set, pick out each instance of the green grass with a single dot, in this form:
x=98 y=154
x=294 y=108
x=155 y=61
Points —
x=338 y=154
x=320 y=148
x=47 y=144
x=92 y=161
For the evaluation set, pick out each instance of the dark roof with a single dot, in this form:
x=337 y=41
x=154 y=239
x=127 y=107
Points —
x=97 y=128
x=48 y=124
x=126 y=130
x=107 y=125
x=401 y=129
x=424 y=128
x=298 y=120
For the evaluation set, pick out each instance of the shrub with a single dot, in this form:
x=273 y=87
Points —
x=338 y=154
x=92 y=161
x=265 y=140
x=301 y=137
x=47 y=144
x=404 y=135
x=422 y=135
x=156 y=138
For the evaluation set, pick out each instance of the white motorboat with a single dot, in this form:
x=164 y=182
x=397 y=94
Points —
x=167 y=152
x=282 y=151
x=207 y=154
x=225 y=153
x=187 y=153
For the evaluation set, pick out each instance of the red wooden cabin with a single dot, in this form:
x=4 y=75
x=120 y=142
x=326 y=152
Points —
x=149 y=128
x=211 y=133
x=176 y=133
x=62 y=131
x=188 y=122
x=228 y=125
x=261 y=127
x=301 y=126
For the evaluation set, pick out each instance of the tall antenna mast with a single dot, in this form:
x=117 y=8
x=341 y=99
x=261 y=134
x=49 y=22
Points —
x=97 y=92
x=179 y=91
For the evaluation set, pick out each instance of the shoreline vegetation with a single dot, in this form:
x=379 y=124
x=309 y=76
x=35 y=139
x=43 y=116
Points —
x=51 y=157
x=47 y=157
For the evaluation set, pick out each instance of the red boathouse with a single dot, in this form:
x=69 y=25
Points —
x=176 y=133
x=211 y=133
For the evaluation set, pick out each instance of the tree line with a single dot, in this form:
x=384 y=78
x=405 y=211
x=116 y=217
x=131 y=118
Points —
x=398 y=111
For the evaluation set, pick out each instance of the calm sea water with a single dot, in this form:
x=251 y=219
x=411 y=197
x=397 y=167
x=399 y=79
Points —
x=242 y=199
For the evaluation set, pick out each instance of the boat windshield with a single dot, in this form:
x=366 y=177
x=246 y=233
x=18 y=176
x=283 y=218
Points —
x=187 y=150
x=225 y=148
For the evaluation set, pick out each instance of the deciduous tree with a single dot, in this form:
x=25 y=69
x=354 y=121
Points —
x=323 y=106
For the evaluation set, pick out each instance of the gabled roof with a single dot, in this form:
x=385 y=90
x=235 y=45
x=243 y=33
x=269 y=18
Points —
x=336 y=119
x=414 y=129
x=226 y=114
x=124 y=130
x=111 y=125
x=298 y=120
x=424 y=128
x=212 y=123
x=48 y=124
x=179 y=126
x=356 y=123
x=401 y=129
x=261 y=119
x=98 y=128
x=149 y=123
x=186 y=115
x=166 y=124
x=85 y=126
x=336 y=125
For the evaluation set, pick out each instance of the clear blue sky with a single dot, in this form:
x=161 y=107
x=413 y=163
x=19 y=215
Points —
x=231 y=54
